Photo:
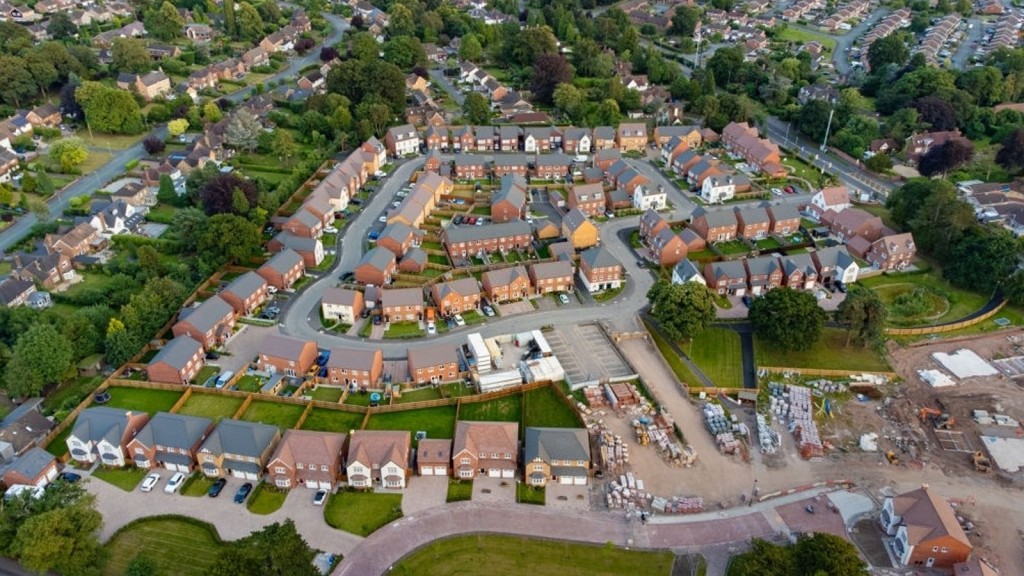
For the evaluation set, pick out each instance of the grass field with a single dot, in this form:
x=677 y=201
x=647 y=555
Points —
x=427 y=393
x=543 y=407
x=176 y=546
x=274 y=413
x=327 y=394
x=266 y=499
x=142 y=399
x=512 y=555
x=71 y=393
x=113 y=141
x=323 y=420
x=459 y=490
x=59 y=446
x=211 y=406
x=829 y=353
x=961 y=302
x=436 y=422
x=507 y=409
x=196 y=485
x=717 y=352
x=124 y=478
x=799 y=36
x=362 y=513
x=675 y=363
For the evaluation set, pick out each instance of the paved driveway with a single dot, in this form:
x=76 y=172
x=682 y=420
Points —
x=510 y=308
x=424 y=492
x=490 y=490
x=243 y=347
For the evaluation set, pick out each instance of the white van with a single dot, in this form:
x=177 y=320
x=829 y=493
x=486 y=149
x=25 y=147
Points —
x=224 y=378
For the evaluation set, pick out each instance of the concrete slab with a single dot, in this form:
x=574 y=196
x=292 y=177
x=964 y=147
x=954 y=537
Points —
x=513 y=308
x=567 y=497
x=851 y=505
x=1008 y=453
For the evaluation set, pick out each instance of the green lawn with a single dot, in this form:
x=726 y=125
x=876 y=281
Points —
x=767 y=243
x=90 y=281
x=733 y=247
x=211 y=406
x=323 y=420
x=526 y=494
x=142 y=399
x=249 y=383
x=436 y=422
x=829 y=353
x=362 y=513
x=675 y=363
x=112 y=141
x=426 y=393
x=717 y=352
x=59 y=446
x=126 y=478
x=327 y=394
x=358 y=399
x=177 y=546
x=801 y=36
x=197 y=485
x=277 y=414
x=456 y=389
x=459 y=490
x=961 y=302
x=266 y=499
x=404 y=330
x=163 y=213
x=543 y=407
x=513 y=555
x=204 y=374
x=507 y=409
x=70 y=394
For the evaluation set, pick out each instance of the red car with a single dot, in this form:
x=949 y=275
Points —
x=789 y=190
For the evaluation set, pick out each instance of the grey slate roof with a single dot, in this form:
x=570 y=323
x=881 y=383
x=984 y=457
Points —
x=460 y=287
x=101 y=423
x=833 y=256
x=415 y=255
x=351 y=359
x=173 y=430
x=279 y=346
x=687 y=269
x=379 y=258
x=508 y=132
x=604 y=133
x=598 y=257
x=549 y=444
x=456 y=234
x=556 y=269
x=731 y=269
x=785 y=212
x=505 y=276
x=20 y=412
x=573 y=219
x=11 y=288
x=246 y=285
x=32 y=463
x=763 y=265
x=208 y=314
x=511 y=160
x=753 y=216
x=716 y=218
x=552 y=160
x=293 y=242
x=177 y=352
x=512 y=190
x=801 y=262
x=284 y=261
x=239 y=438
x=397 y=231
x=401 y=297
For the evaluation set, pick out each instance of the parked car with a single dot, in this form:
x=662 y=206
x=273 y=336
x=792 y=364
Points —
x=69 y=477
x=211 y=355
x=488 y=311
x=396 y=203
x=431 y=328
x=331 y=230
x=747 y=301
x=480 y=222
x=377 y=320
x=320 y=497
x=841 y=286
x=383 y=219
x=150 y=482
x=789 y=190
x=174 y=483
x=470 y=220
x=776 y=192
x=216 y=488
x=457 y=220
x=243 y=492
x=563 y=298
x=459 y=321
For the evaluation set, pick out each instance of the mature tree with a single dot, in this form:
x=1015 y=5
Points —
x=470 y=49
x=69 y=153
x=283 y=145
x=682 y=310
x=41 y=356
x=230 y=19
x=302 y=45
x=109 y=109
x=405 y=52
x=864 y=315
x=476 y=109
x=61 y=27
x=166 y=194
x=523 y=49
x=985 y=84
x=250 y=24
x=982 y=259
x=791 y=319
x=17 y=85
x=891 y=49
x=65 y=540
x=880 y=163
x=243 y=130
x=276 y=549
x=141 y=566
x=950 y=155
x=764 y=559
x=188 y=223
x=1011 y=154
x=177 y=127
x=606 y=113
x=16 y=513
x=685 y=20
x=329 y=53
x=826 y=553
x=1013 y=288
x=119 y=344
x=229 y=238
x=363 y=46
x=164 y=22
x=68 y=102
x=813 y=119
x=401 y=22
x=130 y=55
x=936 y=112
x=212 y=112
x=933 y=211
x=153 y=145
x=217 y=194
x=589 y=59
x=570 y=101
x=549 y=70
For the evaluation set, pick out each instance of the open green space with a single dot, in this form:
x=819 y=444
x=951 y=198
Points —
x=325 y=420
x=112 y=141
x=675 y=363
x=59 y=446
x=176 y=545
x=362 y=513
x=211 y=406
x=266 y=499
x=196 y=485
x=91 y=281
x=459 y=490
x=800 y=36
x=768 y=243
x=717 y=352
x=426 y=393
x=512 y=556
x=126 y=478
x=909 y=304
x=142 y=399
x=274 y=413
x=526 y=494
x=436 y=422
x=507 y=409
x=544 y=408
x=828 y=353
x=960 y=302
x=327 y=394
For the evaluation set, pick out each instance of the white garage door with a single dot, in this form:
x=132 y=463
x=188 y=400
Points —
x=238 y=474
x=426 y=470
x=441 y=470
x=565 y=479
x=579 y=480
x=508 y=473
x=313 y=485
x=494 y=473
x=324 y=485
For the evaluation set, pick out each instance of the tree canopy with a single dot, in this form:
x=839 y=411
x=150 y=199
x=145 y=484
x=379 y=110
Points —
x=789 y=319
x=682 y=310
x=864 y=315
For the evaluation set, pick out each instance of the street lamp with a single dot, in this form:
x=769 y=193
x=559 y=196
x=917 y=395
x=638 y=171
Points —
x=828 y=128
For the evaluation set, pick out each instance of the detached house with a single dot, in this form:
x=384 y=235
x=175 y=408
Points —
x=925 y=530
x=246 y=293
x=752 y=223
x=399 y=238
x=402 y=304
x=36 y=467
x=666 y=247
x=210 y=323
x=559 y=455
x=283 y=269
x=170 y=441
x=102 y=433
x=599 y=270
x=631 y=136
x=488 y=449
x=341 y=305
x=764 y=273
x=15 y=292
x=646 y=198
x=588 y=198
x=577 y=141
x=893 y=252
x=579 y=230
x=177 y=362
x=376 y=267
x=24 y=428
x=402 y=140
x=727 y=277
x=378 y=457
x=548 y=277
x=717 y=226
x=835 y=198
x=238 y=449
x=687 y=271
x=304 y=224
x=307 y=458
x=853 y=222
x=456 y=296
x=433 y=364
x=285 y=355
x=348 y=367
x=799 y=271
x=785 y=219
x=835 y=264
x=505 y=284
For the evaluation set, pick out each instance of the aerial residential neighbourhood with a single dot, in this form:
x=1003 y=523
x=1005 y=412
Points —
x=490 y=287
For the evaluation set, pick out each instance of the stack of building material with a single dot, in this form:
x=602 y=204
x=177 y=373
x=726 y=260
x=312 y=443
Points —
x=594 y=395
x=827 y=386
x=625 y=394
x=801 y=423
x=770 y=441
x=727 y=442
x=614 y=453
x=678 y=505
x=715 y=419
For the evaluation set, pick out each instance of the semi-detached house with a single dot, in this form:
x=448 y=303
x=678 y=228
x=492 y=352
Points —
x=433 y=364
x=286 y=355
x=456 y=296
x=210 y=323
x=402 y=304
x=177 y=362
x=505 y=284
x=355 y=368
x=246 y=293
x=169 y=441
x=379 y=458
x=307 y=458
x=283 y=269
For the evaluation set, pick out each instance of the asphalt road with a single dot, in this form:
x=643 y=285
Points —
x=437 y=75
x=90 y=183
x=967 y=45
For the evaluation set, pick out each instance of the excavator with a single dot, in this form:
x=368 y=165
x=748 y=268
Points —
x=939 y=420
x=981 y=463
x=892 y=458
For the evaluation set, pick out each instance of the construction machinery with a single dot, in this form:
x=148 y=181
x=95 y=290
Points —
x=939 y=420
x=892 y=458
x=981 y=462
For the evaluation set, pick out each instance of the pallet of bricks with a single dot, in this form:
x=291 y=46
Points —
x=627 y=492
x=622 y=395
x=614 y=453
x=678 y=505
x=726 y=430
x=796 y=404
x=661 y=432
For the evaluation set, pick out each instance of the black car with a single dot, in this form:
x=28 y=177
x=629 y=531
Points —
x=243 y=492
x=747 y=301
x=215 y=490
x=376 y=320
x=211 y=355
x=365 y=313
x=69 y=477
x=841 y=287
x=457 y=220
